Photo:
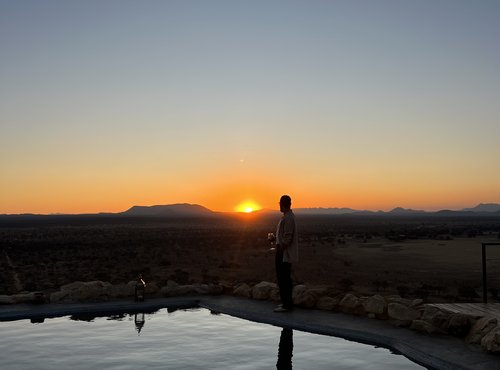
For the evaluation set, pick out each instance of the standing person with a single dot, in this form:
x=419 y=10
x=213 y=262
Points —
x=287 y=252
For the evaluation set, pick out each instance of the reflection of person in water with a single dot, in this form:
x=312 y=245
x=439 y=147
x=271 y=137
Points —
x=139 y=320
x=285 y=350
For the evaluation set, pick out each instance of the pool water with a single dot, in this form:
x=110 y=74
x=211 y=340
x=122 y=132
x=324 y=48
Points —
x=184 y=339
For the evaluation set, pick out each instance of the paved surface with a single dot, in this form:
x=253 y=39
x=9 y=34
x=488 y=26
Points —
x=435 y=352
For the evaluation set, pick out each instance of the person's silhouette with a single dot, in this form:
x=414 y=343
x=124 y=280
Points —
x=285 y=350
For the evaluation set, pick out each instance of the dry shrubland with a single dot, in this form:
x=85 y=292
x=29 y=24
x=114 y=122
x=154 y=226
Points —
x=436 y=259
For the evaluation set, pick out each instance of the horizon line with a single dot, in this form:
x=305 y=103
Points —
x=257 y=210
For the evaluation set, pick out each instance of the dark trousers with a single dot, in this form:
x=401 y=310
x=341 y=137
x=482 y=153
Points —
x=284 y=276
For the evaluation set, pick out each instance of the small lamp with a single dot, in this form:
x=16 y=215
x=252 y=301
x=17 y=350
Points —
x=140 y=287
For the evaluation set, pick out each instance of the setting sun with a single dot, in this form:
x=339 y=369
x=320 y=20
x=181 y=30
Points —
x=247 y=207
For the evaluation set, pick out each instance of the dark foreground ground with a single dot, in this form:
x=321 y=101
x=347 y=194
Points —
x=438 y=259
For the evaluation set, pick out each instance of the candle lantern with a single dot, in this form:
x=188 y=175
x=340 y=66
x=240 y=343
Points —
x=140 y=288
x=139 y=320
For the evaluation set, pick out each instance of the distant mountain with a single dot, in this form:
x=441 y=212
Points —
x=324 y=211
x=405 y=211
x=484 y=207
x=177 y=210
x=488 y=209
x=349 y=211
x=196 y=210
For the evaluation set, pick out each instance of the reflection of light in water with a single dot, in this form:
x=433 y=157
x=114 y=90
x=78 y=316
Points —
x=139 y=320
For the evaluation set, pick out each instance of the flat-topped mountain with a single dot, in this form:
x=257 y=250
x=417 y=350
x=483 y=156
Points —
x=180 y=209
x=405 y=211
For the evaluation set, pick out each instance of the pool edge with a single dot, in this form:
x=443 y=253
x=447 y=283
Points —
x=434 y=352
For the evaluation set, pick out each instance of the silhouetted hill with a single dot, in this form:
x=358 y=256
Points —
x=484 y=207
x=324 y=211
x=171 y=210
x=181 y=210
x=405 y=211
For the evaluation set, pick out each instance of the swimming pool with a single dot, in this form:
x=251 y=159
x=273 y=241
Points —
x=182 y=339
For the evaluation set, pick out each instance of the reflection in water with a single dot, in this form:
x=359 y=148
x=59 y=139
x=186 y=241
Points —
x=139 y=320
x=285 y=350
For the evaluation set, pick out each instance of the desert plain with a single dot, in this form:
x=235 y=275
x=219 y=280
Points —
x=434 y=258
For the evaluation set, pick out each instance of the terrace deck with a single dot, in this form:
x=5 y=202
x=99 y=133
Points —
x=471 y=309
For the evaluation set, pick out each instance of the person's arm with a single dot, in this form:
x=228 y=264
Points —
x=288 y=230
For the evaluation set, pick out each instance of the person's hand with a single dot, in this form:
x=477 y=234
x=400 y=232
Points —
x=271 y=237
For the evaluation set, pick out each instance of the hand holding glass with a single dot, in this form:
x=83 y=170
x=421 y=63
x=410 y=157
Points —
x=272 y=239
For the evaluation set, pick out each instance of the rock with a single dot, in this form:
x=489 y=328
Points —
x=173 y=289
x=436 y=317
x=351 y=304
x=243 y=290
x=458 y=324
x=402 y=301
x=312 y=296
x=201 y=288
x=274 y=295
x=185 y=290
x=318 y=292
x=58 y=297
x=297 y=291
x=424 y=327
x=6 y=299
x=480 y=329
x=304 y=297
x=402 y=313
x=416 y=302
x=392 y=296
x=375 y=305
x=23 y=298
x=491 y=341
x=262 y=290
x=93 y=291
x=151 y=288
x=207 y=289
x=327 y=303
x=122 y=290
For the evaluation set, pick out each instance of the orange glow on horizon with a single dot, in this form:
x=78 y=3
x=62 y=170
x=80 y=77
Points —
x=248 y=207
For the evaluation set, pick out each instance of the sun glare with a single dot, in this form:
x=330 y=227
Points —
x=247 y=207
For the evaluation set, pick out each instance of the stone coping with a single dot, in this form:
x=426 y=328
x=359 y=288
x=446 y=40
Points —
x=433 y=352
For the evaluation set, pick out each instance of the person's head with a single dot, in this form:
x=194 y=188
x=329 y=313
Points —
x=285 y=203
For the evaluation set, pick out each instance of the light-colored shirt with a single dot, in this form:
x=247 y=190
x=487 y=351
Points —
x=287 y=237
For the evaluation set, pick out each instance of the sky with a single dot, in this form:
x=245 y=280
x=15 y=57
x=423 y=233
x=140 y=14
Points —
x=362 y=104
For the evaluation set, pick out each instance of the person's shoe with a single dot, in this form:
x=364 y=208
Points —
x=280 y=308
